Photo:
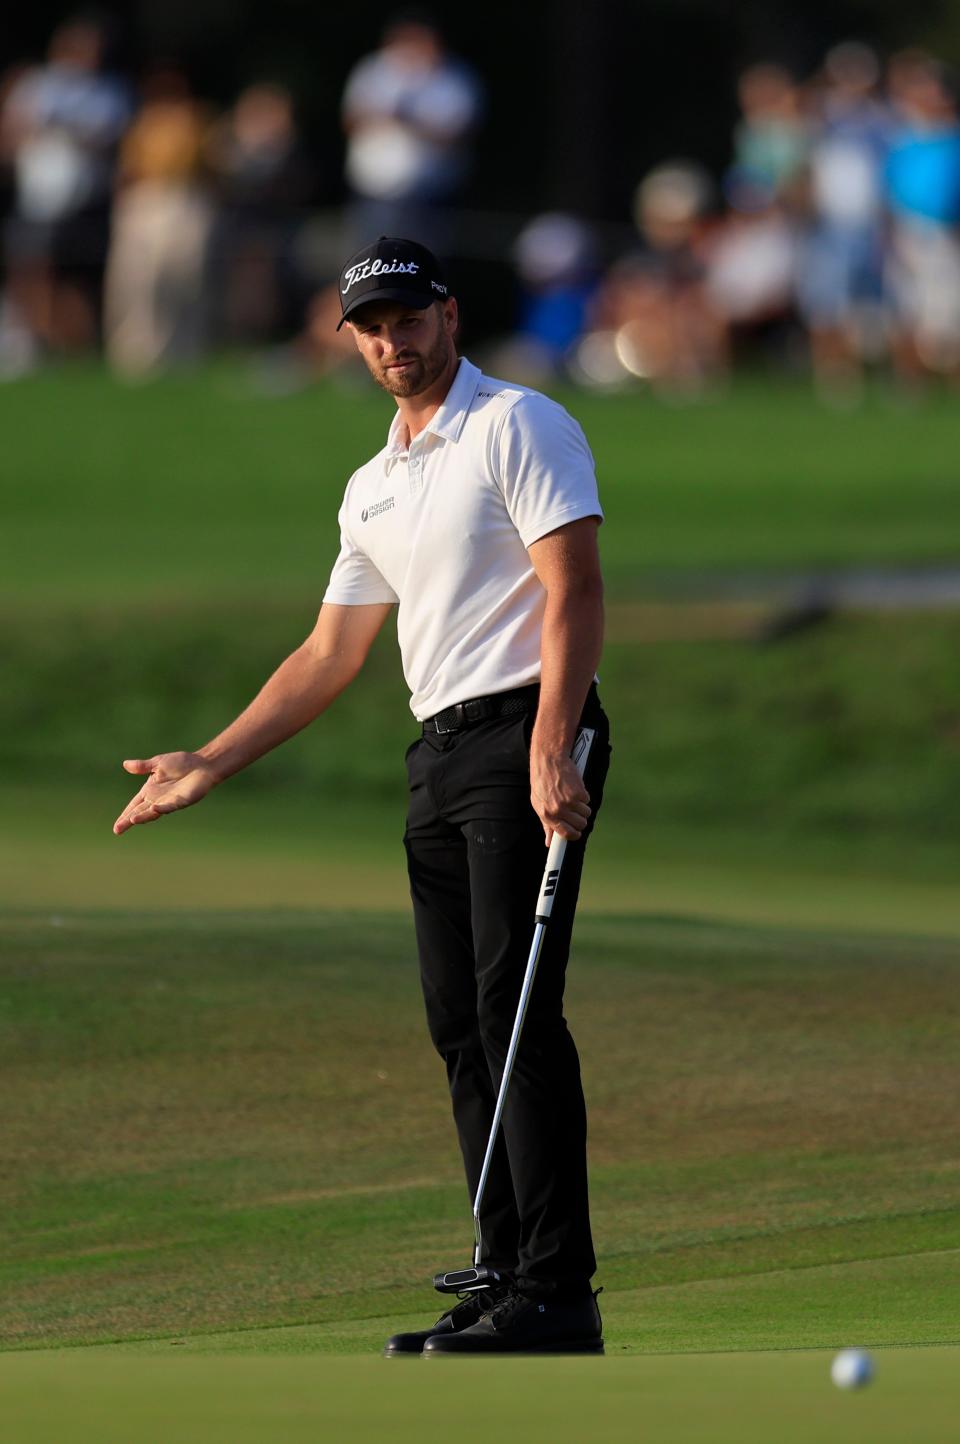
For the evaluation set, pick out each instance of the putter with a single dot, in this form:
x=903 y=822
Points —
x=465 y=1281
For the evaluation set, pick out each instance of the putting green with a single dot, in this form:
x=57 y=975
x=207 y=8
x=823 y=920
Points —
x=209 y=1137
x=907 y=1299
x=92 y=1397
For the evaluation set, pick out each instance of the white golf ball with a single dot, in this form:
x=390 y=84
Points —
x=851 y=1369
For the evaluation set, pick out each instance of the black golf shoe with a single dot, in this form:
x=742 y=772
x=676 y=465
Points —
x=518 y=1324
x=468 y=1311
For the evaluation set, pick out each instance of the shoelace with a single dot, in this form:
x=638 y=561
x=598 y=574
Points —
x=486 y=1299
x=505 y=1308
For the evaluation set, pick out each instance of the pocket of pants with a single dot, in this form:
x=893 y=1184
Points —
x=410 y=752
x=522 y=733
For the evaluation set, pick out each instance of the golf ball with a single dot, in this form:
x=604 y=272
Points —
x=851 y=1369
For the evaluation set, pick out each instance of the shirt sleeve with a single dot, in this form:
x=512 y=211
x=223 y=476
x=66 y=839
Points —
x=355 y=580
x=546 y=470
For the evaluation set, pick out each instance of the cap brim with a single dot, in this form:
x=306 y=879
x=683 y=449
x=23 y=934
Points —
x=419 y=302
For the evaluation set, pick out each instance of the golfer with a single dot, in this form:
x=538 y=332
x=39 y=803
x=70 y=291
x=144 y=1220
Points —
x=478 y=521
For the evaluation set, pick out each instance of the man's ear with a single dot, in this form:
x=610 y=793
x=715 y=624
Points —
x=451 y=315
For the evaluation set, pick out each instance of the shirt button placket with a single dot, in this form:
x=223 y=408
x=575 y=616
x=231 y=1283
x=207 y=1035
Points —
x=415 y=470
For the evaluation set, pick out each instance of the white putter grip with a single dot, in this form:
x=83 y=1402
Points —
x=558 y=845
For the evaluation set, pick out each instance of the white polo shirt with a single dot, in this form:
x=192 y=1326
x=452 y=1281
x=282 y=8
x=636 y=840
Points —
x=441 y=525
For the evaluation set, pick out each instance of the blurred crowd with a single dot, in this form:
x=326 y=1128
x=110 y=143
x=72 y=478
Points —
x=139 y=219
x=832 y=240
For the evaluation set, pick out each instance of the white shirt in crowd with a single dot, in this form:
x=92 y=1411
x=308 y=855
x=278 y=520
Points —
x=441 y=525
x=71 y=120
x=409 y=122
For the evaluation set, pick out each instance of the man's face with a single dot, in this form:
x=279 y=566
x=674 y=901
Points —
x=405 y=350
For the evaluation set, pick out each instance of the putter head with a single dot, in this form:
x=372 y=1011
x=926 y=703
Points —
x=467 y=1281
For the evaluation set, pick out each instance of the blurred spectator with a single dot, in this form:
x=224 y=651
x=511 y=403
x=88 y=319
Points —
x=60 y=126
x=9 y=81
x=18 y=347
x=770 y=142
x=266 y=182
x=752 y=265
x=841 y=285
x=156 y=296
x=556 y=261
x=752 y=259
x=654 y=303
x=408 y=111
x=923 y=182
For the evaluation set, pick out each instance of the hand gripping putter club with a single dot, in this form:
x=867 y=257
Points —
x=461 y=1281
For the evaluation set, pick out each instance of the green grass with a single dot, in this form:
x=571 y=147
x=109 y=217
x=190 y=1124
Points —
x=853 y=726
x=226 y=1138
x=236 y=1122
x=312 y=850
x=855 y=723
x=198 y=487
x=750 y=1399
x=814 y=782
x=169 y=543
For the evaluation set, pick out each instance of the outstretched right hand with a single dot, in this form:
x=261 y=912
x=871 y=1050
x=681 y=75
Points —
x=176 y=779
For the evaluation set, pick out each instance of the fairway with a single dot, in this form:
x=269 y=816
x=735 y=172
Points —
x=199 y=487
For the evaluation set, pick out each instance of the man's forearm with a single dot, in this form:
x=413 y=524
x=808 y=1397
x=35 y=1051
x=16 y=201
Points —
x=302 y=687
x=571 y=642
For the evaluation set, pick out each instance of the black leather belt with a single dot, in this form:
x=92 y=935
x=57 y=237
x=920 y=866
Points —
x=481 y=709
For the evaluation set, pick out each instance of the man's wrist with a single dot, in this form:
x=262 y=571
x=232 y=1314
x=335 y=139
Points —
x=214 y=763
x=550 y=746
x=549 y=755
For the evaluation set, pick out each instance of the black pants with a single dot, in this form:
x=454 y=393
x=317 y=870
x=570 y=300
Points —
x=475 y=852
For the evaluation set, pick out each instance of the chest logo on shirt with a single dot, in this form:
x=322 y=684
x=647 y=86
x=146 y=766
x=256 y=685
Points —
x=378 y=508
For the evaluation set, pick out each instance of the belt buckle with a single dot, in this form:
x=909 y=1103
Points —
x=456 y=708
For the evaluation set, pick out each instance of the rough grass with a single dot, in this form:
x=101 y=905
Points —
x=217 y=1123
x=852 y=729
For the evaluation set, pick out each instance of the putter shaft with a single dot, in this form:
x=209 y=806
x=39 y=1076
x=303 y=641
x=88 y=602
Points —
x=548 y=889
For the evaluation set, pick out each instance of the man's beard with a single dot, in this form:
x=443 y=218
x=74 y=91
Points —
x=417 y=377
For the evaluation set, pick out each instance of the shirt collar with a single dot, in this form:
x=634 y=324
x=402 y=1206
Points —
x=449 y=419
